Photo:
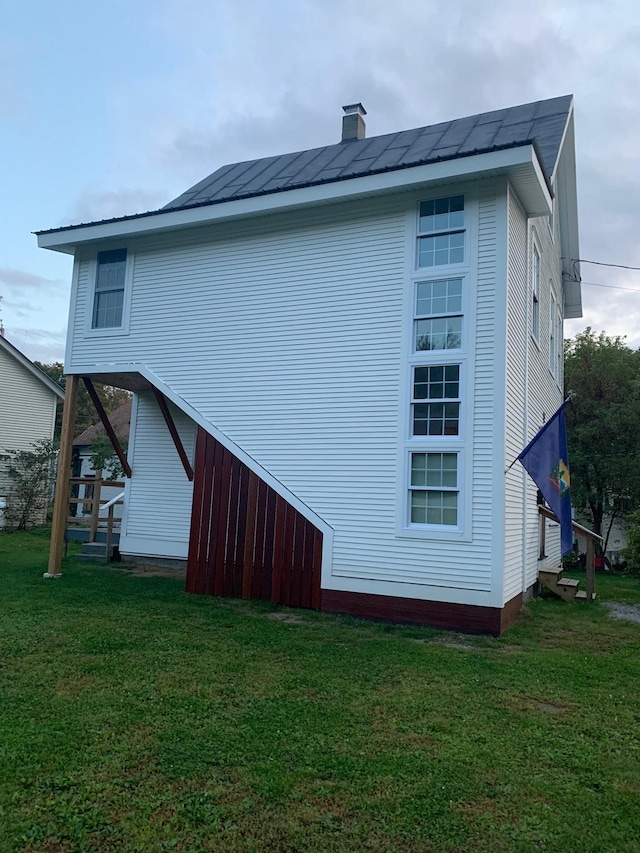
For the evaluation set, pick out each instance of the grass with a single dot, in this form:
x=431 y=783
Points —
x=134 y=717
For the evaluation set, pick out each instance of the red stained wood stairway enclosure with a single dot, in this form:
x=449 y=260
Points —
x=247 y=541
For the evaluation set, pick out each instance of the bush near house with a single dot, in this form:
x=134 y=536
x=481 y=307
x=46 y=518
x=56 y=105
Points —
x=30 y=490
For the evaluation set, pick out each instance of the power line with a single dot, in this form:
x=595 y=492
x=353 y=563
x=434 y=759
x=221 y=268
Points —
x=602 y=264
x=613 y=286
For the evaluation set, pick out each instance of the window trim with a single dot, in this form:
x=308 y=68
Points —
x=123 y=328
x=417 y=437
x=444 y=528
x=464 y=357
x=463 y=229
x=534 y=292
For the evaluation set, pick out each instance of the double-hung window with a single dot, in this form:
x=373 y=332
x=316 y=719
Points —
x=108 y=302
x=436 y=400
x=434 y=488
x=441 y=232
x=437 y=361
x=438 y=314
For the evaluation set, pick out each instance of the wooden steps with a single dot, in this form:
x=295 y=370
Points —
x=551 y=578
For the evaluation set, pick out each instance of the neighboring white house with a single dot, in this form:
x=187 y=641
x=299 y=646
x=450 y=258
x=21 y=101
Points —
x=354 y=342
x=83 y=444
x=28 y=400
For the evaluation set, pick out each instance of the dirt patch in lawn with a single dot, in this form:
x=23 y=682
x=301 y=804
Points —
x=148 y=570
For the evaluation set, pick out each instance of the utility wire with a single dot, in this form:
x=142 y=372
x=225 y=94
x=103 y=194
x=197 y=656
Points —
x=602 y=264
x=614 y=286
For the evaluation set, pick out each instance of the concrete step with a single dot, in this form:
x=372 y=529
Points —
x=81 y=534
x=95 y=551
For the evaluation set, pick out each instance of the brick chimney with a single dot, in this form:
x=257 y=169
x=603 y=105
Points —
x=353 y=126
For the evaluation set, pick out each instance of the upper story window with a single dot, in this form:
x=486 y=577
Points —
x=441 y=232
x=108 y=300
x=535 y=295
x=438 y=315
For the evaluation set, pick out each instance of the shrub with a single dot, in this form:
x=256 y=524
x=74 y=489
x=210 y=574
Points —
x=30 y=475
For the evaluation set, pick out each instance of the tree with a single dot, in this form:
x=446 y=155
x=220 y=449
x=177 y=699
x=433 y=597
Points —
x=103 y=458
x=86 y=414
x=602 y=375
x=30 y=475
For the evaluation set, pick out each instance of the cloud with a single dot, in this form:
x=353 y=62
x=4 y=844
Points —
x=38 y=344
x=19 y=280
x=94 y=205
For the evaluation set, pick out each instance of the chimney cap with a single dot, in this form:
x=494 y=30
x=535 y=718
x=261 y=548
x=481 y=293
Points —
x=350 y=109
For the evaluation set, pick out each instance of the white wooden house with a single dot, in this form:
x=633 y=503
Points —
x=352 y=343
x=28 y=401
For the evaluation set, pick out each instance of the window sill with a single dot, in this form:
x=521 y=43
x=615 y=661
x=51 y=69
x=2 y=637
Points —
x=432 y=534
x=118 y=332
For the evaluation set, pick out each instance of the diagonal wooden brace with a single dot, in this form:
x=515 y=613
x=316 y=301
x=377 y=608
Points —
x=166 y=414
x=113 y=438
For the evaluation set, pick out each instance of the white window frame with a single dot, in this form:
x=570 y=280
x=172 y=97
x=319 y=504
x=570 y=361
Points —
x=440 y=528
x=442 y=232
x=416 y=401
x=463 y=356
x=123 y=328
x=536 y=274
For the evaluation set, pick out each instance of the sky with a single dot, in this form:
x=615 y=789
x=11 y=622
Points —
x=117 y=106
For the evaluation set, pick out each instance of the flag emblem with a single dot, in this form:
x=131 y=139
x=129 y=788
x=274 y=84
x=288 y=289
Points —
x=546 y=460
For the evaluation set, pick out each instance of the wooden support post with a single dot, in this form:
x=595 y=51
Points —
x=590 y=568
x=61 y=501
x=543 y=536
x=107 y=552
x=95 y=505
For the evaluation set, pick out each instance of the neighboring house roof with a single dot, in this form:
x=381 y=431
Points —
x=541 y=124
x=30 y=366
x=120 y=419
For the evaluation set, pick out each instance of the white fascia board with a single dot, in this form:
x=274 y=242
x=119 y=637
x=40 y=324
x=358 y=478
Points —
x=463 y=168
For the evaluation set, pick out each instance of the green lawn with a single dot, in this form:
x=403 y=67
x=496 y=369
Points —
x=134 y=717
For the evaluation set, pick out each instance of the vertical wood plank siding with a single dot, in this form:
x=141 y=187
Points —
x=246 y=541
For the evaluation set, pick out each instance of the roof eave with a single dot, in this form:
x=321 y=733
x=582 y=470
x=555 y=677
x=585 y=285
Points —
x=520 y=163
x=31 y=367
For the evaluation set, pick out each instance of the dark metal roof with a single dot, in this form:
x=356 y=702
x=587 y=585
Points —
x=542 y=123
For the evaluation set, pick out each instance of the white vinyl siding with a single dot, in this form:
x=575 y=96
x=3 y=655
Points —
x=158 y=498
x=27 y=410
x=532 y=395
x=287 y=334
